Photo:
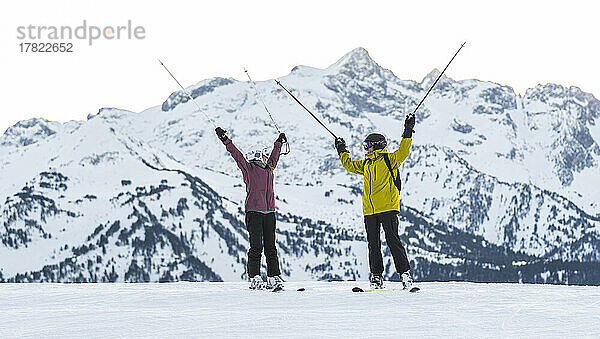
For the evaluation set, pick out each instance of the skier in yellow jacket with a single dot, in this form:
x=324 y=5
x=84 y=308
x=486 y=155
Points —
x=381 y=198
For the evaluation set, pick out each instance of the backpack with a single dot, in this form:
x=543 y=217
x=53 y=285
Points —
x=396 y=180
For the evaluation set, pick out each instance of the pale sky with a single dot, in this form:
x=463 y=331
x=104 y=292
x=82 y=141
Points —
x=514 y=43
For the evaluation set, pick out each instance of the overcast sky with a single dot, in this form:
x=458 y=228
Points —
x=515 y=43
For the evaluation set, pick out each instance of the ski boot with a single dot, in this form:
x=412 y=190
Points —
x=274 y=282
x=407 y=281
x=376 y=282
x=257 y=283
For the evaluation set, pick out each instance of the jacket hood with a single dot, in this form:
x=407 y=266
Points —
x=258 y=163
x=375 y=154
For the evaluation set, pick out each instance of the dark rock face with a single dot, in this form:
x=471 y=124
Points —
x=461 y=127
x=179 y=97
x=27 y=132
x=571 y=113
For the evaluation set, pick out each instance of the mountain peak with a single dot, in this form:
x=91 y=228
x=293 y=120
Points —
x=27 y=132
x=356 y=57
x=430 y=78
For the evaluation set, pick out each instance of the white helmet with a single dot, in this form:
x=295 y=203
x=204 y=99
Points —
x=257 y=154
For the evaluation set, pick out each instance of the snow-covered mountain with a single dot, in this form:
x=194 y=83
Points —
x=498 y=187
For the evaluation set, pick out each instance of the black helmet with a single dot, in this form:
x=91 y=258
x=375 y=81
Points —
x=376 y=140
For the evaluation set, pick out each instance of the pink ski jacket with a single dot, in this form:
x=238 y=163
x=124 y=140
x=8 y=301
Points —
x=259 y=181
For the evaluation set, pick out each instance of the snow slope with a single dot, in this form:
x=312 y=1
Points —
x=325 y=309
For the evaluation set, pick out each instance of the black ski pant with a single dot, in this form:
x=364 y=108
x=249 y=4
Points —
x=261 y=228
x=389 y=221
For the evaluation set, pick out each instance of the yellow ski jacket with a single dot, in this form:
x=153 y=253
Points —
x=379 y=192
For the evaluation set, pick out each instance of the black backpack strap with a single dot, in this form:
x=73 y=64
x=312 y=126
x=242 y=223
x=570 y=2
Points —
x=396 y=179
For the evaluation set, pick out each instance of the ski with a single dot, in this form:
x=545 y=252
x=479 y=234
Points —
x=281 y=288
x=358 y=289
x=278 y=289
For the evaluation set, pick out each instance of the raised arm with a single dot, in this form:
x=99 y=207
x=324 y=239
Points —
x=353 y=166
x=276 y=152
x=235 y=153
x=274 y=157
x=398 y=157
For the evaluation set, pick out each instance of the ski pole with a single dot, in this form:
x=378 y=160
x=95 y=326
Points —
x=298 y=101
x=253 y=84
x=438 y=78
x=188 y=94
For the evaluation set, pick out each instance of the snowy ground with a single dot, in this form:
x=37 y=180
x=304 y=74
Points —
x=324 y=310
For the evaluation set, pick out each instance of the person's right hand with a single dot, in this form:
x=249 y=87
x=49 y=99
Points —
x=221 y=134
x=340 y=145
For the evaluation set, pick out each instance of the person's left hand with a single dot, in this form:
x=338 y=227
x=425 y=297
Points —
x=409 y=124
x=221 y=134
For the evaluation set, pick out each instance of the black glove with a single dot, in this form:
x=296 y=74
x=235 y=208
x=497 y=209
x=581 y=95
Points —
x=221 y=134
x=409 y=124
x=282 y=138
x=340 y=145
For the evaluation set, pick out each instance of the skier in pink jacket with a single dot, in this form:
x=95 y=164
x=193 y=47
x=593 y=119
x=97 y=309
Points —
x=257 y=172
